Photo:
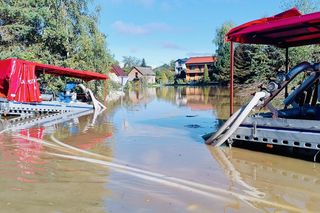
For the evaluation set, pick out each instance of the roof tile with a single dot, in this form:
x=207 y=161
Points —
x=117 y=70
x=203 y=59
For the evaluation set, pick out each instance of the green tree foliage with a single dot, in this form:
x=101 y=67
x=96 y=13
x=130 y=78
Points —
x=164 y=74
x=206 y=78
x=252 y=62
x=256 y=62
x=162 y=67
x=164 y=78
x=168 y=69
x=221 y=73
x=170 y=75
x=143 y=63
x=172 y=65
x=59 y=32
x=243 y=61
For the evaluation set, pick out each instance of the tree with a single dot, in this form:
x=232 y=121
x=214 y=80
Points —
x=308 y=53
x=168 y=69
x=305 y=6
x=58 y=32
x=260 y=65
x=259 y=62
x=164 y=78
x=143 y=63
x=172 y=65
x=206 y=78
x=221 y=73
x=170 y=75
x=243 y=55
x=129 y=62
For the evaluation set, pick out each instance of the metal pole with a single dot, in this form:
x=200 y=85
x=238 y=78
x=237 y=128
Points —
x=287 y=69
x=231 y=76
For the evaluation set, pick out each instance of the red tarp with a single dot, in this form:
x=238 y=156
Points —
x=18 y=80
x=23 y=86
x=287 y=29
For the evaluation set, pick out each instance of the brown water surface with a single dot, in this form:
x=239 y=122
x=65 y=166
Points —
x=146 y=154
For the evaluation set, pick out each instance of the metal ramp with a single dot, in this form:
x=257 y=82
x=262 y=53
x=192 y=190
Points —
x=28 y=121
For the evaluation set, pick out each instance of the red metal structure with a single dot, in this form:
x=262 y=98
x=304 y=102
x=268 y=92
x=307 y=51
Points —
x=18 y=78
x=284 y=30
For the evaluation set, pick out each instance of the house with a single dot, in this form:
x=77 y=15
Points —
x=117 y=74
x=180 y=66
x=144 y=74
x=195 y=67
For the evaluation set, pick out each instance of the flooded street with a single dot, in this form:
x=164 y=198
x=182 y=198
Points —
x=145 y=153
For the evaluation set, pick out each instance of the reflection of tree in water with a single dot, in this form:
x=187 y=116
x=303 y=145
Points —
x=206 y=92
x=163 y=92
x=134 y=97
x=197 y=98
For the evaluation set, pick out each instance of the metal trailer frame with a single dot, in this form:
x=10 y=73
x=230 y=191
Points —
x=23 y=109
x=284 y=132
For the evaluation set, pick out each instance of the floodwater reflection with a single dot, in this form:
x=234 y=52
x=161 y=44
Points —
x=33 y=181
x=145 y=154
x=285 y=181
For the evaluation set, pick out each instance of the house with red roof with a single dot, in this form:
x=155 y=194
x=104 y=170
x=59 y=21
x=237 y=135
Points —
x=195 y=67
x=118 y=75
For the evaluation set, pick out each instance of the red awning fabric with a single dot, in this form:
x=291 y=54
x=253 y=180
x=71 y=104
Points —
x=287 y=29
x=62 y=71
x=18 y=78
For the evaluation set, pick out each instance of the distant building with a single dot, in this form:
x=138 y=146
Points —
x=195 y=67
x=144 y=74
x=180 y=65
x=117 y=74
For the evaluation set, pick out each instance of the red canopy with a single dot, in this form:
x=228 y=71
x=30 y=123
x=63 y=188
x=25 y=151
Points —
x=287 y=29
x=18 y=78
x=62 y=71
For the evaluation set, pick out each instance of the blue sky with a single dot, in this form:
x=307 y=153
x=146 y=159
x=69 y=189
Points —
x=164 y=30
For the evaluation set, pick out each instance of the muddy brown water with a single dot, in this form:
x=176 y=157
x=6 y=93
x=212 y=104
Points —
x=146 y=154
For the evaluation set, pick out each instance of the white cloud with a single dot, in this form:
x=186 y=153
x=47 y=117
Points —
x=133 y=29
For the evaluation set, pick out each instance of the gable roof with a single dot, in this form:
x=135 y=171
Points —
x=201 y=60
x=117 y=70
x=145 y=70
x=182 y=60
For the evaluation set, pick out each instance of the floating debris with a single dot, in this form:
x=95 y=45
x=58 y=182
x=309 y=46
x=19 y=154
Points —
x=194 y=126
x=191 y=116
